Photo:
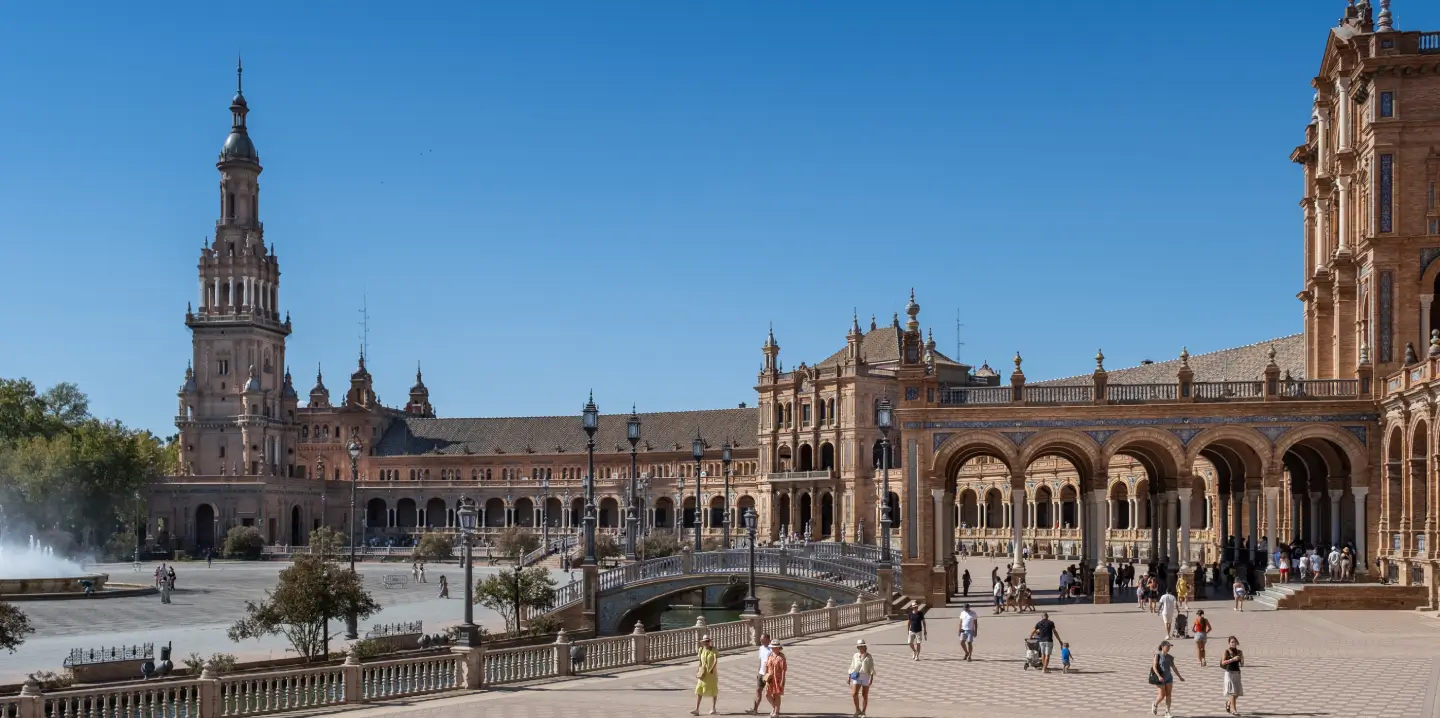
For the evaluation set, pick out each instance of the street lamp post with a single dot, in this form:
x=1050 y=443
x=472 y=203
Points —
x=885 y=418
x=545 y=513
x=590 y=420
x=725 y=471
x=469 y=634
x=632 y=434
x=139 y=523
x=518 y=570
x=680 y=508
x=352 y=622
x=752 y=604
x=697 y=449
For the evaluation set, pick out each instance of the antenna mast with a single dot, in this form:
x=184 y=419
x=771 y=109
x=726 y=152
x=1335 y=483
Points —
x=364 y=325
x=958 y=344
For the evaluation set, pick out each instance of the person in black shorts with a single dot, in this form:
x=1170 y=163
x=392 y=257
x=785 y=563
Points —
x=1046 y=635
x=915 y=625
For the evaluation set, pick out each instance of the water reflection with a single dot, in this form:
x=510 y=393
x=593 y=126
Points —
x=772 y=602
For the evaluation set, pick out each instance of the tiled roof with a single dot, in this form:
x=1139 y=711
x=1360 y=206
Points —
x=530 y=435
x=1237 y=364
x=879 y=346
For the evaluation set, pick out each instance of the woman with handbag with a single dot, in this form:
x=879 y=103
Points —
x=1232 y=661
x=707 y=676
x=1162 y=675
x=862 y=674
x=775 y=667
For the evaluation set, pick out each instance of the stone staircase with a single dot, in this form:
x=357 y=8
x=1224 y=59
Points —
x=1340 y=596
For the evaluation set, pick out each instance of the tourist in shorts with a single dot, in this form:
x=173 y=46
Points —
x=862 y=674
x=1162 y=675
x=1045 y=634
x=998 y=589
x=1202 y=634
x=969 y=628
x=915 y=626
x=764 y=654
x=1233 y=659
x=1238 y=590
x=1065 y=657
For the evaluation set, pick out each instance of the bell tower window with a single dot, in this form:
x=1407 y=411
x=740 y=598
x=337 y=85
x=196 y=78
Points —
x=230 y=205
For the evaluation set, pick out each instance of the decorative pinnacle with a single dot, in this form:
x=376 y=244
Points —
x=1386 y=22
x=1434 y=342
x=1185 y=356
x=1270 y=354
x=1365 y=353
x=1017 y=361
x=239 y=73
x=1099 y=360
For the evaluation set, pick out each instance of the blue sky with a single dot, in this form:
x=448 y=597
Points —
x=541 y=198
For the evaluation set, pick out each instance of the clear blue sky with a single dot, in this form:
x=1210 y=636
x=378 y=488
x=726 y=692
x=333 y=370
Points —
x=541 y=198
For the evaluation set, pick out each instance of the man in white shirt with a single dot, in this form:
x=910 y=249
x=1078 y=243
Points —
x=764 y=654
x=1167 y=613
x=1304 y=568
x=1334 y=563
x=998 y=590
x=969 y=626
x=1065 y=579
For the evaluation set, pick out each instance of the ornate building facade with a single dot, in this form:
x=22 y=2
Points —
x=1283 y=439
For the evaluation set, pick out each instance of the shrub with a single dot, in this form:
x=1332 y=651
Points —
x=659 y=545
x=515 y=542
x=119 y=547
x=328 y=542
x=437 y=547
x=244 y=542
x=545 y=624
x=221 y=662
x=367 y=648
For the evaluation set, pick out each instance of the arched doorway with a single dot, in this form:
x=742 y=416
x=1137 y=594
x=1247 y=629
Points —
x=664 y=512
x=1044 y=508
x=436 y=514
x=807 y=456
x=296 y=528
x=577 y=512
x=782 y=515
x=554 y=510
x=1069 y=507
x=717 y=511
x=405 y=514
x=969 y=509
x=205 y=527
x=827 y=456
x=827 y=514
x=609 y=513
x=524 y=513
x=494 y=513
x=803 y=523
x=1120 y=506
x=375 y=514
x=895 y=513
x=782 y=455
x=994 y=509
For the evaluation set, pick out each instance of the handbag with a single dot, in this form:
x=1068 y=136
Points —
x=1154 y=677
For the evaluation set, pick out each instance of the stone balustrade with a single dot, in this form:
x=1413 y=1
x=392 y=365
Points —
x=353 y=682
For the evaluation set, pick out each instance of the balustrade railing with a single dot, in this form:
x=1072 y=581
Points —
x=976 y=395
x=180 y=699
x=513 y=665
x=1065 y=394
x=1228 y=389
x=1429 y=42
x=408 y=677
x=603 y=653
x=244 y=695
x=1320 y=388
x=1132 y=393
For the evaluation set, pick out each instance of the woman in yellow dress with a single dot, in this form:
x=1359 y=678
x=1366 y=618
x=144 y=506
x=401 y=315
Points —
x=707 y=676
x=1182 y=590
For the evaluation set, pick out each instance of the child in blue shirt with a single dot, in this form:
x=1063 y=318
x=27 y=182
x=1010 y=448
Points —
x=1065 y=657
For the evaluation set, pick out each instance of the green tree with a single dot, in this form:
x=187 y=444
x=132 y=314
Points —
x=659 y=545
x=309 y=593
x=515 y=542
x=244 y=542
x=326 y=541
x=433 y=546
x=606 y=546
x=498 y=592
x=14 y=626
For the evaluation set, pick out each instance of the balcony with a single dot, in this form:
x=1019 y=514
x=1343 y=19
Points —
x=236 y=222
x=1161 y=393
x=784 y=476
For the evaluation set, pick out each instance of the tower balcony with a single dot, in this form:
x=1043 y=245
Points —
x=244 y=223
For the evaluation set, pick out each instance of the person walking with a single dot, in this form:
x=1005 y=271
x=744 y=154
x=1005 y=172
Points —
x=775 y=667
x=1284 y=568
x=1162 y=675
x=1202 y=634
x=1182 y=590
x=969 y=627
x=1168 y=611
x=764 y=654
x=1239 y=591
x=862 y=674
x=444 y=587
x=707 y=676
x=164 y=590
x=422 y=573
x=209 y=557
x=1045 y=634
x=965 y=583
x=1334 y=560
x=998 y=589
x=1233 y=659
x=915 y=627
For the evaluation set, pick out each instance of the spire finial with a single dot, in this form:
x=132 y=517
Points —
x=1386 y=22
x=1185 y=356
x=872 y=322
x=319 y=375
x=1099 y=360
x=240 y=74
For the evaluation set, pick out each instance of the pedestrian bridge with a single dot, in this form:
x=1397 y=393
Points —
x=623 y=591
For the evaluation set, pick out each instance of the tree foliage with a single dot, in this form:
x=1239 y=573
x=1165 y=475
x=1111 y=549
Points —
x=14 y=626
x=659 y=545
x=497 y=592
x=326 y=541
x=606 y=546
x=64 y=470
x=516 y=541
x=433 y=546
x=308 y=594
x=244 y=542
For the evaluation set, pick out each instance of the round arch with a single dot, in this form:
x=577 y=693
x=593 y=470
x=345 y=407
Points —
x=1354 y=451
x=1160 y=452
x=1243 y=443
x=1077 y=448
x=966 y=445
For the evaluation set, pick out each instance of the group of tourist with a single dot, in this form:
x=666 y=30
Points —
x=1308 y=564
x=165 y=581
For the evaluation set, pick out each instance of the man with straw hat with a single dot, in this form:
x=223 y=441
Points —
x=707 y=676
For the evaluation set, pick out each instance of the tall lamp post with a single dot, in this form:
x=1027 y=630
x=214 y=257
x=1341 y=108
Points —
x=752 y=604
x=140 y=523
x=320 y=473
x=352 y=622
x=725 y=471
x=590 y=420
x=518 y=570
x=469 y=634
x=632 y=434
x=545 y=513
x=680 y=508
x=885 y=418
x=697 y=448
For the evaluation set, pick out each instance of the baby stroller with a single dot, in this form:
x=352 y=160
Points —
x=1032 y=655
x=1180 y=626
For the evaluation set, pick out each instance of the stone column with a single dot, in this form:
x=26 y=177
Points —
x=1017 y=523
x=1313 y=525
x=1253 y=507
x=1224 y=521
x=1335 y=495
x=938 y=496
x=1172 y=548
x=1342 y=112
x=1343 y=231
x=1184 y=561
x=1425 y=302
x=1272 y=506
x=1358 y=494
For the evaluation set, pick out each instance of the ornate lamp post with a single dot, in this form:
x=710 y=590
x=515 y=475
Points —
x=518 y=571
x=139 y=525
x=680 y=507
x=590 y=420
x=632 y=434
x=469 y=633
x=352 y=628
x=885 y=418
x=725 y=471
x=752 y=604
x=697 y=449
x=320 y=474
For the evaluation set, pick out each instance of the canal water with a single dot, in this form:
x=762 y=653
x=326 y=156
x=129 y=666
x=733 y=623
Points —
x=772 y=602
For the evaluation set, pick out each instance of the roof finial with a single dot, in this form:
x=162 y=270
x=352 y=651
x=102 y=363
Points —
x=319 y=375
x=1099 y=360
x=1185 y=356
x=1386 y=23
x=872 y=322
x=417 y=370
x=239 y=73
x=1017 y=360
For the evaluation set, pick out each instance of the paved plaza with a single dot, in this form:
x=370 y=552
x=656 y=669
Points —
x=208 y=601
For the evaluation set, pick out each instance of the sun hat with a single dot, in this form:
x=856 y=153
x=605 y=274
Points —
x=860 y=642
x=705 y=639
